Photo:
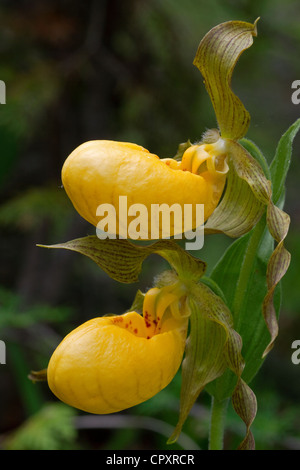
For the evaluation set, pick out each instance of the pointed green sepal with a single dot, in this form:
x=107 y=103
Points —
x=122 y=260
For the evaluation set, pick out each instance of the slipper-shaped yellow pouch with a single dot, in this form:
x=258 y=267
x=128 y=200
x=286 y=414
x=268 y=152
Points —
x=115 y=362
x=99 y=172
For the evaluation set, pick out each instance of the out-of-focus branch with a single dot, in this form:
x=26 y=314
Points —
x=120 y=421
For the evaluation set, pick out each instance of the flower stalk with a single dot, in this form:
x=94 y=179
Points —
x=217 y=424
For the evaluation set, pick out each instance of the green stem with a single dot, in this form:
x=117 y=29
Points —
x=217 y=422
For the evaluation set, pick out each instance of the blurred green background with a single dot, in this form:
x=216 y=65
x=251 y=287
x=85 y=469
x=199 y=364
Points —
x=122 y=70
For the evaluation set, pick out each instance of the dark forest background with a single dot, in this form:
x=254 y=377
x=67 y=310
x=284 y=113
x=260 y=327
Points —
x=122 y=70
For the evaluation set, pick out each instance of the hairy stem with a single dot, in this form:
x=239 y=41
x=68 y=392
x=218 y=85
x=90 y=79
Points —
x=217 y=422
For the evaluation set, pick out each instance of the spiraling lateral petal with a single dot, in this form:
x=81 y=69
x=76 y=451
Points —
x=216 y=58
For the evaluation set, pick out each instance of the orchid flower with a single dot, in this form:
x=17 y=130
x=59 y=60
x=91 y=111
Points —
x=219 y=328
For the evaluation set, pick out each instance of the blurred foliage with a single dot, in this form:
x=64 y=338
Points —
x=29 y=209
x=49 y=429
x=76 y=71
x=12 y=315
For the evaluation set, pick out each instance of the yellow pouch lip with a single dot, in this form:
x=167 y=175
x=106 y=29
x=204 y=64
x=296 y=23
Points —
x=106 y=368
x=100 y=172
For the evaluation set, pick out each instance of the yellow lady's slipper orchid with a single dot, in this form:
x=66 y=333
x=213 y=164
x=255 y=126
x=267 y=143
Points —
x=99 y=172
x=115 y=362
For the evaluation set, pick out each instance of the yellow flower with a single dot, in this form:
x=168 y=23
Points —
x=99 y=172
x=115 y=362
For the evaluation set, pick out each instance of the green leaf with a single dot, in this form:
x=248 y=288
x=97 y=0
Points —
x=281 y=162
x=122 y=260
x=227 y=269
x=243 y=281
